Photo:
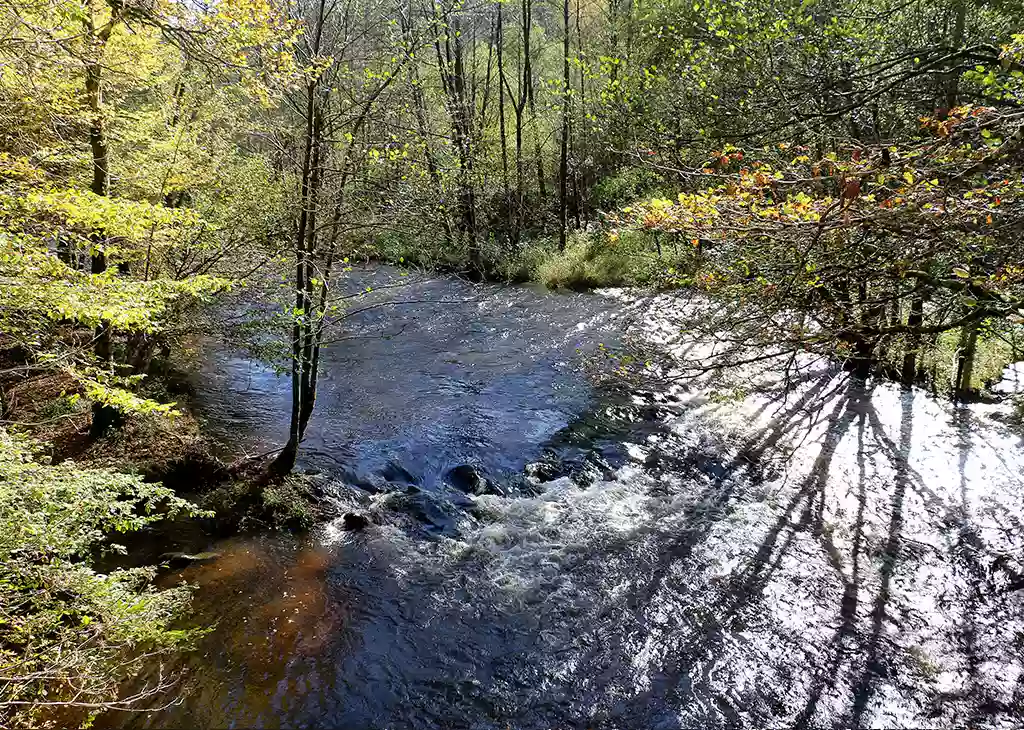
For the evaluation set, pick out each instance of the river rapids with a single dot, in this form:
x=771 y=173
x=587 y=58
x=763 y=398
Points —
x=552 y=548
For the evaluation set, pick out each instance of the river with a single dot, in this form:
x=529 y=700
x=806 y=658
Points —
x=831 y=554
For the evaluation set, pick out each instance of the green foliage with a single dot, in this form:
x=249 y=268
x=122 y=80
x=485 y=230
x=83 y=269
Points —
x=585 y=264
x=40 y=287
x=45 y=296
x=830 y=255
x=288 y=504
x=628 y=259
x=67 y=633
x=523 y=265
x=404 y=249
x=625 y=186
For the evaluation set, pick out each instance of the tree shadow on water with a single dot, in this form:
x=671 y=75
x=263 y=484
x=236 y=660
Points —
x=890 y=557
x=710 y=504
x=874 y=566
x=892 y=657
x=830 y=404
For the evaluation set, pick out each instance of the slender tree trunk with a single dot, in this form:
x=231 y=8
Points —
x=285 y=460
x=466 y=152
x=531 y=101
x=951 y=79
x=520 y=181
x=914 y=319
x=579 y=155
x=423 y=125
x=428 y=154
x=321 y=315
x=863 y=360
x=519 y=107
x=451 y=67
x=320 y=138
x=104 y=417
x=563 y=157
x=965 y=361
x=499 y=41
x=311 y=323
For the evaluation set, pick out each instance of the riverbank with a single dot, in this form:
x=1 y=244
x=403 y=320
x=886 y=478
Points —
x=87 y=526
x=170 y=449
x=591 y=260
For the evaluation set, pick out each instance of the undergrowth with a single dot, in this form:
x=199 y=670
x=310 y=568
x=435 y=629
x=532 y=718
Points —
x=69 y=636
x=593 y=260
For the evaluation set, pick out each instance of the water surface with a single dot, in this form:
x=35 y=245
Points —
x=820 y=553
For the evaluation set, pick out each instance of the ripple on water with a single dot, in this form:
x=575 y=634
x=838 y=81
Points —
x=832 y=555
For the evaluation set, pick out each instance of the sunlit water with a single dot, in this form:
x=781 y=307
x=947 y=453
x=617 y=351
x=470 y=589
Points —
x=826 y=555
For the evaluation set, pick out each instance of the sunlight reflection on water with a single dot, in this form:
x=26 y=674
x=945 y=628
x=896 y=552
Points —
x=832 y=555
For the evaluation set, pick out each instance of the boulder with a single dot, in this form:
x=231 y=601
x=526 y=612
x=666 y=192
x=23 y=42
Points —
x=437 y=514
x=466 y=478
x=395 y=472
x=354 y=521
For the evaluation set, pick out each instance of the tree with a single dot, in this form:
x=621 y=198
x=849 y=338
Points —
x=563 y=157
x=812 y=270
x=344 y=83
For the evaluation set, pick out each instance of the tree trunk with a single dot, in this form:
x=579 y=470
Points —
x=104 y=417
x=563 y=157
x=915 y=318
x=951 y=79
x=577 y=182
x=320 y=139
x=285 y=460
x=423 y=125
x=528 y=84
x=965 y=362
x=499 y=41
x=863 y=359
x=286 y=457
x=451 y=67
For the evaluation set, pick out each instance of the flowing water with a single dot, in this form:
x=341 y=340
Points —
x=830 y=554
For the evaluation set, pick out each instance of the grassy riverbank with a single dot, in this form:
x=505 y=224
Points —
x=590 y=260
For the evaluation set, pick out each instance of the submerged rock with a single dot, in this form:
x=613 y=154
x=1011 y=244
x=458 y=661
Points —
x=465 y=477
x=395 y=472
x=180 y=560
x=439 y=514
x=542 y=471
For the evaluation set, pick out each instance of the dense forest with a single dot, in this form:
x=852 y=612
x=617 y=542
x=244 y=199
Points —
x=839 y=177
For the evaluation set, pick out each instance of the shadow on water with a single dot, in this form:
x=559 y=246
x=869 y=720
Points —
x=865 y=650
x=821 y=553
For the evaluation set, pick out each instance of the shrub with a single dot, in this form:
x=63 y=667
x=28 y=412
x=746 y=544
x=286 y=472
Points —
x=626 y=185
x=69 y=636
x=592 y=260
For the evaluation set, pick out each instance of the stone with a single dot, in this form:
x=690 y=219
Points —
x=180 y=560
x=354 y=521
x=466 y=478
